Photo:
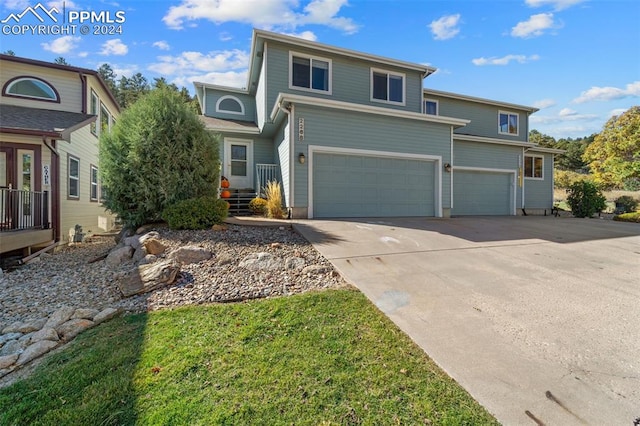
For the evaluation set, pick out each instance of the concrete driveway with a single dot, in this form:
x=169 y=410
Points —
x=537 y=317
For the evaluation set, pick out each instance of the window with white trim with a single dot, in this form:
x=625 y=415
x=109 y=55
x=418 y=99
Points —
x=93 y=110
x=104 y=119
x=309 y=73
x=387 y=86
x=533 y=167
x=230 y=105
x=431 y=106
x=73 y=169
x=94 y=183
x=32 y=88
x=508 y=123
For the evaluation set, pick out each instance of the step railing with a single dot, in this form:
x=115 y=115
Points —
x=22 y=210
x=266 y=173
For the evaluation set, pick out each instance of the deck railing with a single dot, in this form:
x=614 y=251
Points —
x=266 y=173
x=21 y=210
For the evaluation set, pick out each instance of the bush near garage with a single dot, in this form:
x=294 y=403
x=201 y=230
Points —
x=196 y=213
x=628 y=217
x=626 y=204
x=585 y=199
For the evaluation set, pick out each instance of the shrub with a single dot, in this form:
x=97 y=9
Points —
x=632 y=184
x=628 y=217
x=258 y=206
x=585 y=199
x=626 y=204
x=196 y=213
x=563 y=179
x=274 y=200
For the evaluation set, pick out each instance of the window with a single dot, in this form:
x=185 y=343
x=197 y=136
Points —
x=387 y=86
x=73 y=167
x=230 y=105
x=32 y=88
x=431 y=107
x=94 y=183
x=104 y=119
x=310 y=73
x=508 y=123
x=533 y=167
x=93 y=110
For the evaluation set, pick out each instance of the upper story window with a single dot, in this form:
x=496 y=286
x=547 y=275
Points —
x=104 y=119
x=508 y=123
x=310 y=73
x=93 y=110
x=387 y=86
x=230 y=105
x=533 y=167
x=431 y=106
x=31 y=88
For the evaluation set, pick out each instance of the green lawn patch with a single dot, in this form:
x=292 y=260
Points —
x=318 y=358
x=628 y=217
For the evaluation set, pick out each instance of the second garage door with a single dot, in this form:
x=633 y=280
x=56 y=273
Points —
x=482 y=193
x=346 y=185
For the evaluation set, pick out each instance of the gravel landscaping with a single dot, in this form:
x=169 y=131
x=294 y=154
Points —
x=67 y=279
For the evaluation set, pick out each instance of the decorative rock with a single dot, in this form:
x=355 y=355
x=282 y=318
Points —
x=218 y=227
x=34 y=351
x=46 y=333
x=11 y=347
x=276 y=245
x=154 y=246
x=261 y=261
x=225 y=259
x=150 y=258
x=138 y=240
x=139 y=254
x=148 y=277
x=8 y=360
x=190 y=254
x=119 y=255
x=12 y=328
x=9 y=336
x=34 y=325
x=294 y=263
x=60 y=316
x=84 y=313
x=5 y=371
x=105 y=314
x=26 y=339
x=316 y=269
x=123 y=234
x=72 y=328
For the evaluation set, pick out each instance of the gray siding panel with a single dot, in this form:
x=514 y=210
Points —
x=248 y=101
x=538 y=194
x=345 y=129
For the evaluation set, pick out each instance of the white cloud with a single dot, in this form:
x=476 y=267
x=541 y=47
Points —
x=64 y=44
x=617 y=112
x=261 y=13
x=162 y=45
x=229 y=79
x=505 y=60
x=567 y=112
x=17 y=4
x=83 y=54
x=114 y=47
x=127 y=70
x=445 y=27
x=563 y=116
x=608 y=93
x=556 y=4
x=307 y=35
x=225 y=36
x=534 y=27
x=544 y=103
x=58 y=4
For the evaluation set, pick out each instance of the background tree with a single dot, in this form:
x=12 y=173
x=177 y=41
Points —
x=61 y=61
x=541 y=139
x=572 y=159
x=157 y=154
x=9 y=52
x=614 y=155
x=109 y=77
x=131 y=89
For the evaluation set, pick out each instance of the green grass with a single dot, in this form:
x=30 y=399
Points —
x=628 y=217
x=319 y=358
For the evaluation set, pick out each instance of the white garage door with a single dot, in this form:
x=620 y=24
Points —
x=346 y=185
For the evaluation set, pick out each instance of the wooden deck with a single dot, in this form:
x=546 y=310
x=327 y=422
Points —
x=15 y=240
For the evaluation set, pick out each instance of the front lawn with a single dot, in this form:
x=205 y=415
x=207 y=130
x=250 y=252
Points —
x=318 y=358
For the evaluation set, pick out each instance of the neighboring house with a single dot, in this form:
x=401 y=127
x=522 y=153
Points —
x=51 y=117
x=349 y=134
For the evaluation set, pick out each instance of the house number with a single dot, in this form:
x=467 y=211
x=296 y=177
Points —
x=300 y=129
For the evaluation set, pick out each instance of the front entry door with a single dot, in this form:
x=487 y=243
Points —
x=238 y=163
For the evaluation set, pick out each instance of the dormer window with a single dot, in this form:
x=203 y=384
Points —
x=32 y=88
x=230 y=105
x=309 y=73
x=387 y=86
x=431 y=107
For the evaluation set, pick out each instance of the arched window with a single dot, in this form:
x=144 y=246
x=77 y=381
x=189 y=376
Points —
x=230 y=105
x=32 y=88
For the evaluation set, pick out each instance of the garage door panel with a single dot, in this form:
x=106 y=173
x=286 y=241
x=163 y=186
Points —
x=372 y=186
x=482 y=193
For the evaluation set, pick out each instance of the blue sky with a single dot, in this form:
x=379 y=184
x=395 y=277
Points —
x=576 y=60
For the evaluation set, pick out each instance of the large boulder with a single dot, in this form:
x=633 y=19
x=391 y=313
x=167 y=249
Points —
x=136 y=241
x=154 y=246
x=72 y=328
x=190 y=254
x=60 y=316
x=146 y=278
x=261 y=261
x=34 y=351
x=119 y=255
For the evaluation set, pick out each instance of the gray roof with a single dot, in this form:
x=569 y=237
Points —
x=220 y=124
x=33 y=120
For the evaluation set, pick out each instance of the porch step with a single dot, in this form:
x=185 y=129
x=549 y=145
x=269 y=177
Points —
x=239 y=201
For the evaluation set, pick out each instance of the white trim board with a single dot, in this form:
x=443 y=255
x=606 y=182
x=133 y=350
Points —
x=313 y=149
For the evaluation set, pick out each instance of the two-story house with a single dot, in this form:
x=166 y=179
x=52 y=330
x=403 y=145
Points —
x=51 y=117
x=349 y=134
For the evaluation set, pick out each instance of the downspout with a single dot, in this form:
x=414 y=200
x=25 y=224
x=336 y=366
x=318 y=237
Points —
x=83 y=85
x=55 y=189
x=289 y=112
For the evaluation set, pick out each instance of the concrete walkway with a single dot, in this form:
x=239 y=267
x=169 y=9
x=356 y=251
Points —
x=537 y=317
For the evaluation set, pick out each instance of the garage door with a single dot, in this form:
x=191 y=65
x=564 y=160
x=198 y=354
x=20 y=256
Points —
x=482 y=193
x=347 y=185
